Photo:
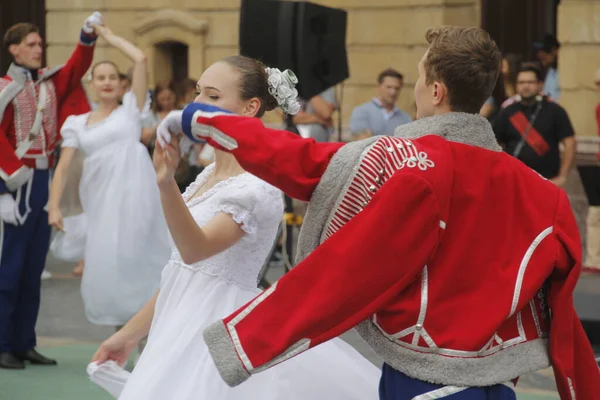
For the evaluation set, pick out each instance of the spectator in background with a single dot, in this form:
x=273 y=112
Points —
x=505 y=91
x=164 y=101
x=532 y=129
x=592 y=256
x=380 y=116
x=125 y=82
x=315 y=119
x=547 y=55
x=187 y=92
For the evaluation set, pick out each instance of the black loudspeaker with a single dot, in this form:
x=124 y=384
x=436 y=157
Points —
x=307 y=38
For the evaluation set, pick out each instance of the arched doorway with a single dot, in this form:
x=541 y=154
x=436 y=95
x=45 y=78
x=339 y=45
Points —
x=174 y=43
x=171 y=61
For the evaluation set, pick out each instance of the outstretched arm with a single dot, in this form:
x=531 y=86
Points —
x=139 y=81
x=286 y=161
x=69 y=76
x=368 y=262
x=194 y=243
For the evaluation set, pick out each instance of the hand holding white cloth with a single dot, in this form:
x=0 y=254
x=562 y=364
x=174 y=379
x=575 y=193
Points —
x=109 y=376
x=8 y=209
x=94 y=19
x=69 y=245
x=169 y=126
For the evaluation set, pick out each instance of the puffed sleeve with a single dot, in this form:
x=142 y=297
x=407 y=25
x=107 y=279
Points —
x=253 y=201
x=130 y=105
x=69 y=133
x=241 y=203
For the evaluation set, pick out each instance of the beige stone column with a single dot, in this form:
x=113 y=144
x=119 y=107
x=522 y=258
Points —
x=579 y=33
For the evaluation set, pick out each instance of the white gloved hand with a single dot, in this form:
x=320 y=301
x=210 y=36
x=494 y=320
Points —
x=94 y=19
x=169 y=126
x=8 y=209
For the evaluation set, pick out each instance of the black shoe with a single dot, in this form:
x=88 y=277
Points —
x=9 y=361
x=35 y=358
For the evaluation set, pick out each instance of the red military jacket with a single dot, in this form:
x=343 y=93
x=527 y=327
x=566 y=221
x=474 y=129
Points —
x=457 y=262
x=19 y=101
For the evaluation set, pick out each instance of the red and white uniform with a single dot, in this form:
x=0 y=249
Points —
x=457 y=261
x=19 y=106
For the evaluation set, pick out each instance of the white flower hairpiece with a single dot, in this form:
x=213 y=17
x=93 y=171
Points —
x=282 y=86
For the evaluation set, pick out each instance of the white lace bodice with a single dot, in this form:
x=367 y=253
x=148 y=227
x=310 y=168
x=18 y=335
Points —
x=251 y=202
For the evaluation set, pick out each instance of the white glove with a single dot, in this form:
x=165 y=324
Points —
x=8 y=209
x=94 y=19
x=169 y=126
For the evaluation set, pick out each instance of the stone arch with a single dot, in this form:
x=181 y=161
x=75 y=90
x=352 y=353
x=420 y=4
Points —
x=156 y=32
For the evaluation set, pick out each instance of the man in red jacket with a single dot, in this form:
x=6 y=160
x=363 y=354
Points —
x=454 y=261
x=33 y=105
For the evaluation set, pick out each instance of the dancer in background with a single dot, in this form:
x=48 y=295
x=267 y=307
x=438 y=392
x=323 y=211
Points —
x=127 y=237
x=33 y=105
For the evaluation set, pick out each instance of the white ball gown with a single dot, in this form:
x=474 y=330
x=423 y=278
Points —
x=176 y=363
x=126 y=244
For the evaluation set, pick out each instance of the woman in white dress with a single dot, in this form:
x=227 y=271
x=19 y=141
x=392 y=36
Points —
x=127 y=236
x=222 y=230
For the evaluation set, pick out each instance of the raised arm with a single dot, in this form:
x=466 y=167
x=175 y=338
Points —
x=139 y=82
x=286 y=161
x=70 y=75
x=351 y=276
x=194 y=243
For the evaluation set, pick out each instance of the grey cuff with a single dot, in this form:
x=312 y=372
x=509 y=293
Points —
x=224 y=355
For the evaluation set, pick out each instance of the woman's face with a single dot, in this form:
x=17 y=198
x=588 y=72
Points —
x=166 y=100
x=105 y=82
x=218 y=86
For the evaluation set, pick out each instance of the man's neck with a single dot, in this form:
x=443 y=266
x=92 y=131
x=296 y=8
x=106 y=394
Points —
x=387 y=107
x=33 y=72
x=528 y=102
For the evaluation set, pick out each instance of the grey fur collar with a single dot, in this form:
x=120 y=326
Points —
x=18 y=74
x=456 y=127
x=22 y=75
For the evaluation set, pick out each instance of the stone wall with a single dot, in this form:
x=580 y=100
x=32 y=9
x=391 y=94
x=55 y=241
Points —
x=381 y=34
x=579 y=33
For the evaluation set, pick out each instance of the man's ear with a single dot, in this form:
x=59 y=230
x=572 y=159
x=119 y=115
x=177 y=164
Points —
x=440 y=93
x=13 y=49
